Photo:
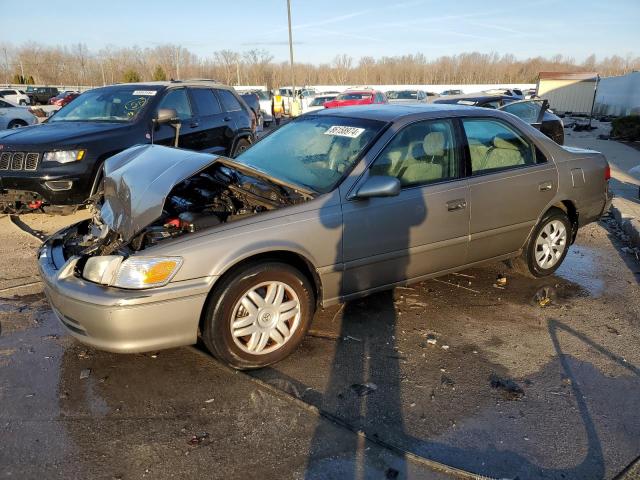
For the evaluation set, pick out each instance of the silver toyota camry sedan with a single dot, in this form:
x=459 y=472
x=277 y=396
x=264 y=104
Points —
x=330 y=207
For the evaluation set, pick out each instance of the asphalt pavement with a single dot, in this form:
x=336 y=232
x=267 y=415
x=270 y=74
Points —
x=453 y=377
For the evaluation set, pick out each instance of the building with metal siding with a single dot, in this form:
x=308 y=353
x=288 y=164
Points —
x=569 y=92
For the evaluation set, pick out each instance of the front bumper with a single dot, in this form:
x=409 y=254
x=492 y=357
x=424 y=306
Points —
x=57 y=185
x=117 y=320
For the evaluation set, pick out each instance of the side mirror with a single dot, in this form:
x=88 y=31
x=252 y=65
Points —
x=379 y=186
x=166 y=115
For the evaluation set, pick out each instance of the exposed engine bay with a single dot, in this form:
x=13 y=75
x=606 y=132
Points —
x=217 y=195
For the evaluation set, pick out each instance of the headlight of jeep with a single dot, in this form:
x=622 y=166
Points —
x=66 y=156
x=146 y=272
x=132 y=273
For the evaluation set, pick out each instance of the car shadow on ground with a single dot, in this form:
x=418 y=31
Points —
x=365 y=388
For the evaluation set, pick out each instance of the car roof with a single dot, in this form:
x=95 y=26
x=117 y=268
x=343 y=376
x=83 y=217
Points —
x=475 y=97
x=392 y=111
x=174 y=83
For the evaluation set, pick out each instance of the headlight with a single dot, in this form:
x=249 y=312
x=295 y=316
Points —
x=102 y=269
x=133 y=273
x=65 y=156
x=146 y=272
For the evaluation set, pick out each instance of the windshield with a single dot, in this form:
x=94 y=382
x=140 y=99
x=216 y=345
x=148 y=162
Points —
x=313 y=152
x=105 y=105
x=402 y=95
x=320 y=101
x=353 y=96
x=262 y=95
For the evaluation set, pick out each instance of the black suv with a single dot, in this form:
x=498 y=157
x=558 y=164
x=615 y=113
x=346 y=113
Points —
x=58 y=162
x=39 y=95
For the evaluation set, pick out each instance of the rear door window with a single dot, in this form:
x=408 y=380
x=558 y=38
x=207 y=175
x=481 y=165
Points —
x=229 y=101
x=495 y=146
x=205 y=101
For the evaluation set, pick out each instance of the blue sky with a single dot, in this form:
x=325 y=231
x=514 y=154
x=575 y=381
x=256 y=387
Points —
x=324 y=29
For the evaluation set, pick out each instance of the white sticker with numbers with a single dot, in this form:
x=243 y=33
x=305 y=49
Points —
x=146 y=93
x=341 y=131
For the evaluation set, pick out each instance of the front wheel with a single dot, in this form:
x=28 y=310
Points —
x=258 y=315
x=16 y=124
x=548 y=245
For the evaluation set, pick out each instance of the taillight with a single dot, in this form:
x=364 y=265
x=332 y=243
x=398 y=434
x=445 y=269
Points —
x=607 y=172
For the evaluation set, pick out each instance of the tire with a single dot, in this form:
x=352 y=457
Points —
x=22 y=102
x=240 y=147
x=266 y=341
x=547 y=246
x=16 y=124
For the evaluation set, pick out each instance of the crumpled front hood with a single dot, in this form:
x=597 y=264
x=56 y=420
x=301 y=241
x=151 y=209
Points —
x=138 y=180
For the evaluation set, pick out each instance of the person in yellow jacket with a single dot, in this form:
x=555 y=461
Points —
x=277 y=107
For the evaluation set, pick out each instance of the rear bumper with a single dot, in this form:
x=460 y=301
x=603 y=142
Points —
x=121 y=321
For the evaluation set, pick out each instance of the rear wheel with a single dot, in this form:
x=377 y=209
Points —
x=548 y=245
x=241 y=146
x=258 y=315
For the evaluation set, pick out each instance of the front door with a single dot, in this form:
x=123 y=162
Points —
x=425 y=228
x=511 y=183
x=178 y=100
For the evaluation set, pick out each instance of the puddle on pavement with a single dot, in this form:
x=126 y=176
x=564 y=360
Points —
x=580 y=267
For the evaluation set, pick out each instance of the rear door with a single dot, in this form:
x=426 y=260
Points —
x=237 y=117
x=209 y=118
x=511 y=183
x=425 y=228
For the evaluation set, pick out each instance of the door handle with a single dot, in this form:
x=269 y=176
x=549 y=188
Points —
x=227 y=119
x=544 y=186
x=458 y=204
x=194 y=124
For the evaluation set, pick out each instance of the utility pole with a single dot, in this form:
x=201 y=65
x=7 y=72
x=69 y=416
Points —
x=178 y=48
x=293 y=78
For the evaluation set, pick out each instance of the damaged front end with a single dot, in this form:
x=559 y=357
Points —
x=151 y=194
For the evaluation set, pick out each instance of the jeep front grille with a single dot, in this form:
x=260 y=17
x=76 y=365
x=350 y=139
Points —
x=19 y=161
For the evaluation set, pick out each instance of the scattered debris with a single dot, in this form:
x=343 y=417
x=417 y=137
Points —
x=613 y=330
x=448 y=381
x=349 y=337
x=363 y=389
x=431 y=339
x=544 y=296
x=510 y=390
x=154 y=355
x=454 y=285
x=85 y=373
x=445 y=347
x=83 y=355
x=324 y=335
x=501 y=280
x=198 y=439
x=209 y=401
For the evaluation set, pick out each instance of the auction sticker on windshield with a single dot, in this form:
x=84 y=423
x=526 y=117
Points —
x=341 y=131
x=148 y=93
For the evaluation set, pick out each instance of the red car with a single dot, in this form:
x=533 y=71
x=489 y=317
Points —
x=62 y=99
x=357 y=97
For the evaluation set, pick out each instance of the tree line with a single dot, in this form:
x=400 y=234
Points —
x=34 y=63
